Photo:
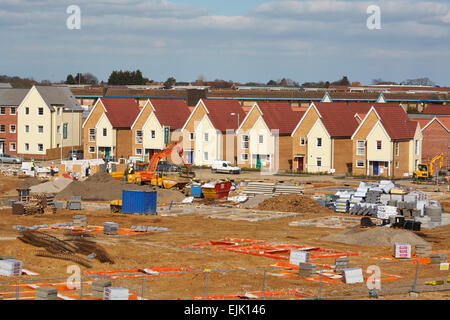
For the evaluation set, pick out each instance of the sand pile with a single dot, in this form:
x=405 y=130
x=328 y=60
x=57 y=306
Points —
x=102 y=187
x=379 y=236
x=52 y=186
x=29 y=182
x=292 y=203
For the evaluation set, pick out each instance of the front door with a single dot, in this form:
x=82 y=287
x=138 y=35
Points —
x=300 y=163
x=190 y=156
x=258 y=161
x=107 y=153
x=376 y=166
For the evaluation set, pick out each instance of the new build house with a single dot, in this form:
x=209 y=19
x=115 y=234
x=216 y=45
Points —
x=156 y=117
x=107 y=129
x=264 y=137
x=386 y=143
x=10 y=100
x=209 y=132
x=48 y=117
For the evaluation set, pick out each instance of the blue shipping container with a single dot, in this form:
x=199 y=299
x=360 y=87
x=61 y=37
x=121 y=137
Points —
x=140 y=202
x=196 y=191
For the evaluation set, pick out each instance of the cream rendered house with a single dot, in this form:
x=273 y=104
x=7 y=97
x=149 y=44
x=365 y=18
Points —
x=319 y=152
x=48 y=117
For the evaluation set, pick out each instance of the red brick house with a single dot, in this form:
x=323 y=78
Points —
x=10 y=99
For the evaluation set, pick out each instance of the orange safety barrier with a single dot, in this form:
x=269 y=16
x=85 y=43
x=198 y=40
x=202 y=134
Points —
x=258 y=294
x=164 y=272
x=94 y=229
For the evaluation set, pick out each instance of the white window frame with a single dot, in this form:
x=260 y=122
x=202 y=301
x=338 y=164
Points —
x=91 y=134
x=261 y=139
x=191 y=136
x=317 y=142
x=363 y=163
x=38 y=111
x=58 y=129
x=11 y=128
x=153 y=134
x=2 y=111
x=92 y=148
x=12 y=144
x=3 y=128
x=360 y=151
x=12 y=113
x=245 y=141
x=26 y=147
x=381 y=145
x=416 y=147
x=244 y=156
x=416 y=164
x=105 y=132
x=319 y=159
x=42 y=129
x=205 y=137
x=27 y=111
x=138 y=153
x=59 y=111
x=397 y=149
x=40 y=144
x=302 y=141
x=26 y=128
x=396 y=164
x=139 y=138
x=205 y=153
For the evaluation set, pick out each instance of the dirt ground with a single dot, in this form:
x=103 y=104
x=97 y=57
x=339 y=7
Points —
x=170 y=249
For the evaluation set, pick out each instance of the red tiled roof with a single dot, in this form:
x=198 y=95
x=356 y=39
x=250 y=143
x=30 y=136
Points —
x=171 y=112
x=396 y=122
x=220 y=111
x=337 y=118
x=280 y=116
x=364 y=107
x=422 y=122
x=121 y=112
x=445 y=121
x=437 y=109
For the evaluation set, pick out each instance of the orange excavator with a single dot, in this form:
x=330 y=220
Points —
x=152 y=176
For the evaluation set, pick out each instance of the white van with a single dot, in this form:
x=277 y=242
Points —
x=224 y=167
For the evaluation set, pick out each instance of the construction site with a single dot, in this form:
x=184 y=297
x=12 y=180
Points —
x=220 y=237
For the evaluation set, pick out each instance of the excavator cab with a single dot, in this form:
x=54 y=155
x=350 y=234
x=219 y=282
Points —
x=422 y=172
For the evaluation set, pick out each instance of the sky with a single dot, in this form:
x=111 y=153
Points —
x=244 y=41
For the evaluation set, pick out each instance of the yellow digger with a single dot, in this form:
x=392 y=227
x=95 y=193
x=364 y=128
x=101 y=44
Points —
x=426 y=172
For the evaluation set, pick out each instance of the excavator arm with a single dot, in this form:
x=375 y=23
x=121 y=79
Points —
x=441 y=163
x=153 y=164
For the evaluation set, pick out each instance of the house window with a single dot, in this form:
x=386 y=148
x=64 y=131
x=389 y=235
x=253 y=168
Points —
x=91 y=149
x=91 y=135
x=245 y=140
x=58 y=129
x=59 y=111
x=205 y=137
x=396 y=163
x=27 y=128
x=378 y=144
x=138 y=151
x=244 y=156
x=153 y=134
x=12 y=111
x=40 y=129
x=27 y=147
x=139 y=136
x=105 y=132
x=261 y=139
x=416 y=147
x=41 y=111
x=27 y=110
x=2 y=128
x=205 y=156
x=3 y=110
x=302 y=141
x=319 y=142
x=58 y=145
x=12 y=128
x=397 y=149
x=360 y=163
x=268 y=158
x=12 y=146
x=40 y=147
x=191 y=136
x=319 y=162
x=416 y=164
x=360 y=147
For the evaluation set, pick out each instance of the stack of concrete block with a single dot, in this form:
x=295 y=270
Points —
x=110 y=228
x=386 y=185
x=254 y=188
x=79 y=221
x=307 y=270
x=364 y=209
x=352 y=275
x=98 y=287
x=341 y=263
x=402 y=251
x=438 y=258
x=281 y=188
x=115 y=293
x=10 y=268
x=74 y=203
x=423 y=250
x=384 y=212
x=45 y=293
x=373 y=196
x=434 y=212
x=385 y=198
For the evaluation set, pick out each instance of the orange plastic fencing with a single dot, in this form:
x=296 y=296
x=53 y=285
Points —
x=258 y=294
x=94 y=229
x=159 y=272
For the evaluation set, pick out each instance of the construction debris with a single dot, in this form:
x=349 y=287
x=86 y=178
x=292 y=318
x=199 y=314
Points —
x=46 y=293
x=115 y=293
x=79 y=221
x=110 y=228
x=98 y=287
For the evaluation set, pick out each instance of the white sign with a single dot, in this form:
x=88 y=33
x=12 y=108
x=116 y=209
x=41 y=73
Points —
x=299 y=256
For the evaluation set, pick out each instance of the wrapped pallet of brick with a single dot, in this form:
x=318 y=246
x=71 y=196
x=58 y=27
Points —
x=307 y=270
x=115 y=293
x=341 y=263
x=98 y=287
x=423 y=250
x=46 y=293
x=352 y=275
x=10 y=268
x=299 y=256
x=79 y=221
x=438 y=258
x=402 y=250
x=110 y=228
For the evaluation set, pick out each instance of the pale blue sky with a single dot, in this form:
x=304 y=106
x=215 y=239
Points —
x=247 y=40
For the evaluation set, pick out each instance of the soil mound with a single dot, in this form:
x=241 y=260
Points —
x=378 y=236
x=102 y=187
x=29 y=182
x=292 y=203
